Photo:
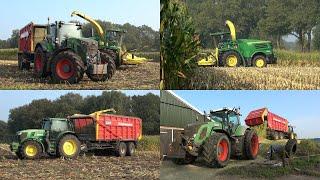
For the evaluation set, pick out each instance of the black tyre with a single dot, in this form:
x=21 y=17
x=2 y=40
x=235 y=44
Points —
x=40 y=63
x=291 y=147
x=115 y=56
x=259 y=61
x=121 y=149
x=275 y=135
x=69 y=147
x=131 y=149
x=111 y=69
x=217 y=150
x=189 y=159
x=250 y=144
x=30 y=150
x=231 y=59
x=67 y=66
x=281 y=136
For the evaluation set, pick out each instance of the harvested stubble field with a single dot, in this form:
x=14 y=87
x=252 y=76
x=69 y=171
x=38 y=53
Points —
x=144 y=165
x=144 y=76
x=273 y=77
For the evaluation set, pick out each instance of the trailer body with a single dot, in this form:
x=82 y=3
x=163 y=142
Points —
x=29 y=36
x=275 y=126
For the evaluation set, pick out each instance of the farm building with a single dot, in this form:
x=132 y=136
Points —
x=175 y=114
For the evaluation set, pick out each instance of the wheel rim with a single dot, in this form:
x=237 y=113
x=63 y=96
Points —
x=122 y=150
x=31 y=150
x=38 y=63
x=65 y=69
x=260 y=63
x=232 y=61
x=223 y=150
x=69 y=147
x=254 y=145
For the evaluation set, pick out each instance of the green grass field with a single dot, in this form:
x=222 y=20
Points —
x=8 y=54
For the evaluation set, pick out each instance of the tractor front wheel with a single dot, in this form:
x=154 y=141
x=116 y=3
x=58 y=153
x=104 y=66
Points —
x=69 y=147
x=251 y=144
x=217 y=150
x=231 y=59
x=30 y=150
x=67 y=66
x=259 y=61
x=121 y=149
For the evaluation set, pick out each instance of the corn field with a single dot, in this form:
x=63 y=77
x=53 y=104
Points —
x=270 y=78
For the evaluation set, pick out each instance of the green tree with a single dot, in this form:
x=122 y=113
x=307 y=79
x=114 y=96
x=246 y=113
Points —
x=316 y=38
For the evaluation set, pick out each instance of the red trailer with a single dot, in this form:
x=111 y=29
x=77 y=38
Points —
x=29 y=36
x=277 y=127
x=108 y=131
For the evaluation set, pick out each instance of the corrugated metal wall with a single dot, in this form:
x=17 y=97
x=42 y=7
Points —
x=175 y=113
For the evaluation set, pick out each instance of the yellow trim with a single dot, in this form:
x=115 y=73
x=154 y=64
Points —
x=69 y=147
x=260 y=63
x=92 y=21
x=232 y=61
x=232 y=30
x=31 y=150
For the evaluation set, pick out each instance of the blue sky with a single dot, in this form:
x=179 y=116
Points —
x=17 y=13
x=301 y=108
x=15 y=98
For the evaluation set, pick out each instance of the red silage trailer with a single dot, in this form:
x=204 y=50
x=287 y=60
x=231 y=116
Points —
x=108 y=131
x=276 y=126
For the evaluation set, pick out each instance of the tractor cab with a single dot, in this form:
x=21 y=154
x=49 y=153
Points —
x=114 y=37
x=229 y=118
x=59 y=31
x=56 y=126
x=220 y=38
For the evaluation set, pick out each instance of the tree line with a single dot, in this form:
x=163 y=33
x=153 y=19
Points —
x=142 y=38
x=269 y=19
x=28 y=116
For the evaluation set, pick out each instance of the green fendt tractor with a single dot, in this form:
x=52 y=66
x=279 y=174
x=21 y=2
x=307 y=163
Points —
x=55 y=138
x=216 y=140
x=66 y=55
x=233 y=52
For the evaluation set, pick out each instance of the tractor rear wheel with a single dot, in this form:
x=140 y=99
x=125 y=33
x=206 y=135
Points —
x=30 y=150
x=291 y=147
x=131 y=149
x=251 y=144
x=231 y=59
x=111 y=68
x=188 y=159
x=217 y=150
x=40 y=60
x=121 y=149
x=69 y=147
x=259 y=61
x=67 y=66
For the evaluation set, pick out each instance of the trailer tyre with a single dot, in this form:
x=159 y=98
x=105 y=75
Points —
x=231 y=59
x=291 y=147
x=111 y=68
x=217 y=150
x=131 y=149
x=259 y=61
x=40 y=60
x=67 y=66
x=30 y=150
x=251 y=144
x=121 y=149
x=69 y=147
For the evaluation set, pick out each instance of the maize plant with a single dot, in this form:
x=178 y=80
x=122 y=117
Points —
x=178 y=45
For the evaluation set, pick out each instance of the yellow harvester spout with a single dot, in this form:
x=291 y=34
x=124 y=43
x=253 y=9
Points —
x=92 y=21
x=232 y=30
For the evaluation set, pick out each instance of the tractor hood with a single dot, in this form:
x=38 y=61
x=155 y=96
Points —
x=253 y=41
x=30 y=133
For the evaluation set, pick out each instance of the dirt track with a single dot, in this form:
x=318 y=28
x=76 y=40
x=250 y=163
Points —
x=144 y=165
x=144 y=76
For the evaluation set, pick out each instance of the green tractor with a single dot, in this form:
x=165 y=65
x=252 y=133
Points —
x=66 y=56
x=216 y=140
x=233 y=52
x=55 y=138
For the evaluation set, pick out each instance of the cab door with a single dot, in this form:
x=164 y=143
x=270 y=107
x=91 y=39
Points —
x=233 y=122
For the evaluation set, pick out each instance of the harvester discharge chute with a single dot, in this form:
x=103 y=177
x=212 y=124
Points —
x=123 y=56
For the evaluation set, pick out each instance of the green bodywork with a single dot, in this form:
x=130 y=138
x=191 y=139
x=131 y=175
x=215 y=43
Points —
x=246 y=48
x=48 y=136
